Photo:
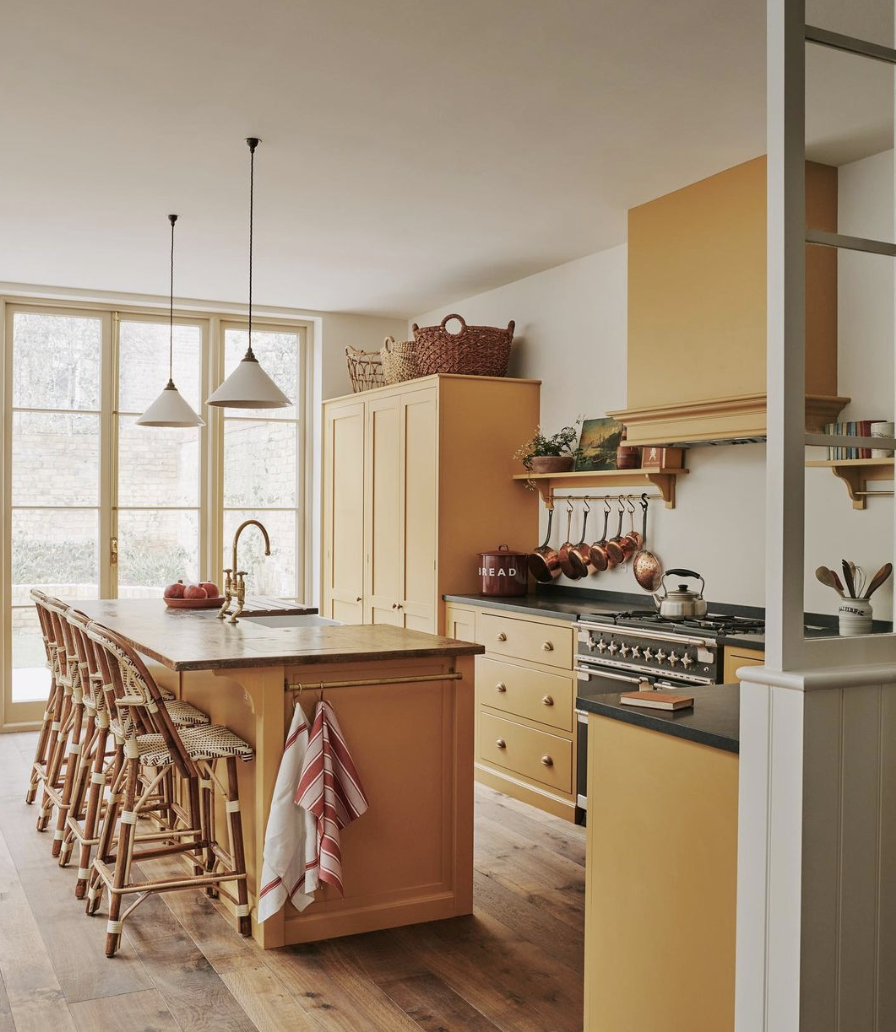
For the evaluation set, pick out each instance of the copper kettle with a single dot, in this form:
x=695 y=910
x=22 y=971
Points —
x=682 y=603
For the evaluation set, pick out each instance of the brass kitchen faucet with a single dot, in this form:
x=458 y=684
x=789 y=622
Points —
x=235 y=585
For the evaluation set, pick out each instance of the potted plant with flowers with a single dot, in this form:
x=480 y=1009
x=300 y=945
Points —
x=554 y=454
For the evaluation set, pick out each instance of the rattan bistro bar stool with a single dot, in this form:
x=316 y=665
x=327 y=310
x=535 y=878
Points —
x=191 y=756
x=53 y=710
x=100 y=759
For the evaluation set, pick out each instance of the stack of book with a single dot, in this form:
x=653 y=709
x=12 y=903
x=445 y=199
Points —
x=856 y=428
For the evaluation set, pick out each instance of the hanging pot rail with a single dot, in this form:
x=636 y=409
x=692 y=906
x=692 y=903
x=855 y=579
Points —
x=556 y=485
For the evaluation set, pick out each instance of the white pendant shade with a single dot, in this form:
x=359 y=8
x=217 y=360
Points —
x=249 y=386
x=169 y=409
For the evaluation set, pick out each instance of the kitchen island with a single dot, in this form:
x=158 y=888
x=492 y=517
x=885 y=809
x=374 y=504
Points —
x=661 y=872
x=408 y=720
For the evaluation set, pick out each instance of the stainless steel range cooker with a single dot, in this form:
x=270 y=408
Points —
x=638 y=651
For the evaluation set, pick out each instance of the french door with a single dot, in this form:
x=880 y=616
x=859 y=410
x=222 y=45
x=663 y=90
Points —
x=96 y=506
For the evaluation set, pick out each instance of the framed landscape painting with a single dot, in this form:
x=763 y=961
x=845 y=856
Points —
x=598 y=443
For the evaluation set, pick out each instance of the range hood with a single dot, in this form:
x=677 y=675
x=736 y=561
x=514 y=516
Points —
x=697 y=311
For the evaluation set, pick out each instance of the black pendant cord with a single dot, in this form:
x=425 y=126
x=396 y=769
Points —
x=172 y=219
x=253 y=143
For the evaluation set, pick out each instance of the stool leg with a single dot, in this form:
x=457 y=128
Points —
x=71 y=767
x=208 y=825
x=76 y=801
x=58 y=738
x=107 y=833
x=237 y=851
x=41 y=753
x=91 y=817
x=123 y=854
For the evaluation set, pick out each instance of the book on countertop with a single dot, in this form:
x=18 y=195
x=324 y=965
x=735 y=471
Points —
x=656 y=700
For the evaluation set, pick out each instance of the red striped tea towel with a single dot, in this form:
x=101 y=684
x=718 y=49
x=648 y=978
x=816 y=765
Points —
x=290 y=839
x=330 y=790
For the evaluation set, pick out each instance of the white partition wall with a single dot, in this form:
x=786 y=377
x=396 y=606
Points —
x=816 y=934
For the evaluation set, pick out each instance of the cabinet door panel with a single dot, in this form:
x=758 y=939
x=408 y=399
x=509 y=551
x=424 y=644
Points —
x=343 y=530
x=420 y=500
x=384 y=525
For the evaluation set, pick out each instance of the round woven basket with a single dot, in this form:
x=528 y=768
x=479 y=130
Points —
x=399 y=360
x=472 y=351
x=365 y=369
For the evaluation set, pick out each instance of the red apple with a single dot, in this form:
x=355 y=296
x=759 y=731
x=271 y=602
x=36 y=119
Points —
x=211 y=589
x=175 y=590
x=194 y=591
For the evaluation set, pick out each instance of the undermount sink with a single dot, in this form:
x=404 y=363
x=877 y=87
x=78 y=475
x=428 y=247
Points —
x=290 y=620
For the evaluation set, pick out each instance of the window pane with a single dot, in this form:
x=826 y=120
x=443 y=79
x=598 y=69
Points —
x=260 y=463
x=56 y=551
x=156 y=548
x=143 y=363
x=56 y=361
x=266 y=576
x=55 y=459
x=157 y=465
x=278 y=354
x=30 y=676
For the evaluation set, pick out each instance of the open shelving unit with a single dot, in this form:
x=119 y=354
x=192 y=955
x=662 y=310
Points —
x=662 y=479
x=857 y=474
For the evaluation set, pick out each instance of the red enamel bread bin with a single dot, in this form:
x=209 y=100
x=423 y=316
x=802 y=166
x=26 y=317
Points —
x=503 y=572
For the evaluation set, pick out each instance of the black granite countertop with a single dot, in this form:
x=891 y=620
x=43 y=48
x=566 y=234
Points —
x=713 y=720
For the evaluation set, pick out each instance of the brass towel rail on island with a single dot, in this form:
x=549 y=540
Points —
x=321 y=686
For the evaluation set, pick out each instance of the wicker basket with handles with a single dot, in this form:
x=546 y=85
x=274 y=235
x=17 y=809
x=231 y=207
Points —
x=472 y=351
x=399 y=360
x=365 y=369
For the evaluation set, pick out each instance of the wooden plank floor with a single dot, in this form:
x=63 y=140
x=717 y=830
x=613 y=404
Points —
x=514 y=966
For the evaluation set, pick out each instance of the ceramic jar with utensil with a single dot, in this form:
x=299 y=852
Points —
x=855 y=617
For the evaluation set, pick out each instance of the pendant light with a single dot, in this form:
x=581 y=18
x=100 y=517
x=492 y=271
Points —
x=249 y=386
x=169 y=408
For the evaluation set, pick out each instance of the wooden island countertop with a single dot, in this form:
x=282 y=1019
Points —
x=184 y=639
x=405 y=704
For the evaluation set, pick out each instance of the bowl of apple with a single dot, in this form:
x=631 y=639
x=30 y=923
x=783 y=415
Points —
x=204 y=595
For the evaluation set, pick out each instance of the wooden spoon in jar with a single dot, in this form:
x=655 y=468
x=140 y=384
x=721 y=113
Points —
x=829 y=579
x=878 y=579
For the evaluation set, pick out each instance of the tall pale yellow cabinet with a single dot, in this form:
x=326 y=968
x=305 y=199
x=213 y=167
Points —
x=416 y=481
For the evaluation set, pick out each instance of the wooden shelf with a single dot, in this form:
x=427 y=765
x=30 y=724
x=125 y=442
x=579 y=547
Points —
x=663 y=480
x=857 y=474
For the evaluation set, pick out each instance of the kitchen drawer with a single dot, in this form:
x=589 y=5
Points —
x=736 y=658
x=525 y=692
x=534 y=754
x=548 y=643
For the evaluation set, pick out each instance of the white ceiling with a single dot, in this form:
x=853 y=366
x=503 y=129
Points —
x=415 y=151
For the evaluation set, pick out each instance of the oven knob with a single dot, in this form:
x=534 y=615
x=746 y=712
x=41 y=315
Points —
x=686 y=661
x=648 y=653
x=636 y=651
x=592 y=644
x=673 y=658
x=661 y=656
x=601 y=646
x=614 y=648
x=625 y=651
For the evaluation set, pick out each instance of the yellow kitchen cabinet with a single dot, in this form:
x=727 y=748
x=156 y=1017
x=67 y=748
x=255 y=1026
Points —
x=460 y=622
x=417 y=481
x=735 y=658
x=525 y=709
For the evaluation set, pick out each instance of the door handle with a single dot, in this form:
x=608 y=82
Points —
x=113 y=551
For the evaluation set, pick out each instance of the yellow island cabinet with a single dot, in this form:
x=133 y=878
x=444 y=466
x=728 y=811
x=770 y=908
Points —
x=405 y=704
x=661 y=868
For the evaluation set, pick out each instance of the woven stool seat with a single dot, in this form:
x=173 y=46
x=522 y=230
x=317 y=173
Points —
x=201 y=743
x=184 y=714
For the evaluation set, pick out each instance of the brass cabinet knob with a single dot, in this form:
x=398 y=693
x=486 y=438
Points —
x=502 y=636
x=399 y=606
x=548 y=646
x=359 y=598
x=547 y=761
x=547 y=701
x=500 y=743
x=500 y=687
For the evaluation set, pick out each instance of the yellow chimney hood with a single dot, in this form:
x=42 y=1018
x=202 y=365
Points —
x=697 y=310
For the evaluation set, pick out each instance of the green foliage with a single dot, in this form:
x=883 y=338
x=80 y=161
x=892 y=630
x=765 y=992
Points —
x=560 y=443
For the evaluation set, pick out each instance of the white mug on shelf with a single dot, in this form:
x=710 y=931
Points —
x=855 y=616
x=882 y=429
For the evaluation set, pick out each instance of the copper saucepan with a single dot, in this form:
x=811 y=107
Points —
x=600 y=558
x=544 y=563
x=570 y=562
x=583 y=550
x=621 y=547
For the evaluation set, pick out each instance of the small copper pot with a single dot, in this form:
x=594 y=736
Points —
x=582 y=551
x=600 y=557
x=621 y=547
x=571 y=563
x=544 y=562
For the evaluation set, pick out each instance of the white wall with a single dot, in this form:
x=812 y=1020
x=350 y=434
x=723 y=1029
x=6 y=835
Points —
x=571 y=334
